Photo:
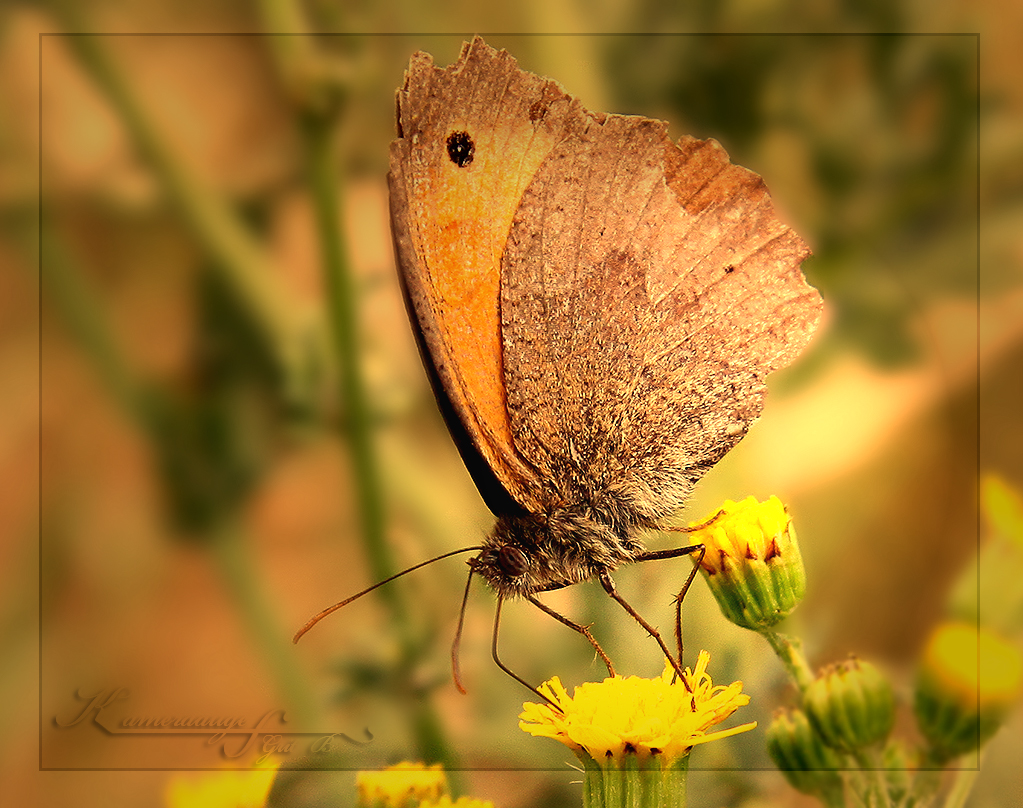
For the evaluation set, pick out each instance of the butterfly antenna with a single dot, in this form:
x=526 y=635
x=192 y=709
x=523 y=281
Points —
x=456 y=674
x=331 y=609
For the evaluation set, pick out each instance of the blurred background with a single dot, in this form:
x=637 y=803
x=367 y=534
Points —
x=215 y=423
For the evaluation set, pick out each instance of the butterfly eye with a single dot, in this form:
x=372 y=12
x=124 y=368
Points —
x=512 y=561
x=460 y=148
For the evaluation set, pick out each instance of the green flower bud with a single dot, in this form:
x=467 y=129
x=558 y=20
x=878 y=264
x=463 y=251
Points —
x=752 y=563
x=807 y=763
x=851 y=705
x=968 y=682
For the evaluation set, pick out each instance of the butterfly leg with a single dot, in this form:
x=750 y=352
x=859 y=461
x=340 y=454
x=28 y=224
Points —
x=693 y=528
x=609 y=587
x=575 y=627
x=675 y=553
x=505 y=668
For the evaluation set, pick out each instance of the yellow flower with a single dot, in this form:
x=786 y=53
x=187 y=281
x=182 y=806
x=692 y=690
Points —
x=461 y=802
x=649 y=718
x=1003 y=507
x=752 y=561
x=742 y=529
x=976 y=667
x=400 y=785
x=221 y=790
x=968 y=682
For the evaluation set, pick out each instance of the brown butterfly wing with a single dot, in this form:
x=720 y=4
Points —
x=647 y=291
x=450 y=223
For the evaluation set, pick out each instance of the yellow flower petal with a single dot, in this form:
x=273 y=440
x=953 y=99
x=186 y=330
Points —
x=398 y=784
x=631 y=715
x=227 y=789
x=461 y=802
x=974 y=665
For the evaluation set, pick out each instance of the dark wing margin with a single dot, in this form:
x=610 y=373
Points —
x=491 y=489
x=450 y=221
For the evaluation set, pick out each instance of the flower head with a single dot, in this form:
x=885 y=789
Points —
x=1003 y=507
x=968 y=682
x=851 y=705
x=752 y=561
x=404 y=784
x=228 y=789
x=807 y=763
x=461 y=802
x=648 y=718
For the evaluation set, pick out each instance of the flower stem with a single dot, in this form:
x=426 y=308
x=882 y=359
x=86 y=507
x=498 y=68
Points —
x=341 y=301
x=593 y=783
x=87 y=322
x=232 y=554
x=927 y=780
x=324 y=182
x=874 y=777
x=790 y=651
x=675 y=784
x=290 y=334
x=626 y=784
x=965 y=777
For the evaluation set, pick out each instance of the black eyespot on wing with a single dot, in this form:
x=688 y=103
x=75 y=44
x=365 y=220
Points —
x=460 y=148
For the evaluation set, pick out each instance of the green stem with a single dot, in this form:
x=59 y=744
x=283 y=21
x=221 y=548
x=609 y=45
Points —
x=614 y=787
x=233 y=558
x=927 y=779
x=628 y=785
x=86 y=321
x=290 y=335
x=341 y=299
x=593 y=782
x=675 y=784
x=965 y=777
x=323 y=179
x=296 y=54
x=245 y=265
x=833 y=798
x=341 y=302
x=874 y=775
x=790 y=651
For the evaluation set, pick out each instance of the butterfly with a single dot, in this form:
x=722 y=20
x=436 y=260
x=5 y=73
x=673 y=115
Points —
x=597 y=308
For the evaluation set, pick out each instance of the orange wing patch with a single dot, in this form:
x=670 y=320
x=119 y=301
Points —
x=452 y=222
